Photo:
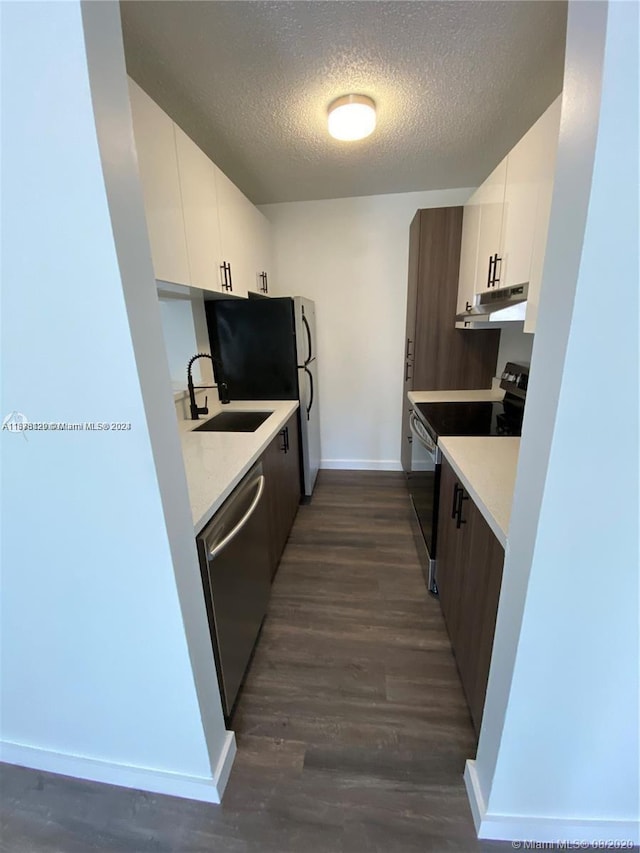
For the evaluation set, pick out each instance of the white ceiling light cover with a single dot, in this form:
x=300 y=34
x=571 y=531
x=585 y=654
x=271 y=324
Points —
x=352 y=117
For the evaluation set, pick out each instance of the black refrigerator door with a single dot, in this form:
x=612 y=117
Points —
x=255 y=343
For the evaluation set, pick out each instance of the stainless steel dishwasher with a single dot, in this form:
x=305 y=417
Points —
x=236 y=574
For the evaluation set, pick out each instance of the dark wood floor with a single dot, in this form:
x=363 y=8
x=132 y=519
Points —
x=352 y=728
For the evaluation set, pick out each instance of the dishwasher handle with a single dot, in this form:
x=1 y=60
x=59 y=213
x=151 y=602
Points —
x=213 y=553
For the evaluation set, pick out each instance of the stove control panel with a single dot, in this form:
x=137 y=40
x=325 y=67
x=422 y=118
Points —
x=515 y=379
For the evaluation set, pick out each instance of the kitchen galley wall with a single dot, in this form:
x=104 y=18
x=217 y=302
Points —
x=515 y=345
x=350 y=256
x=111 y=675
x=184 y=330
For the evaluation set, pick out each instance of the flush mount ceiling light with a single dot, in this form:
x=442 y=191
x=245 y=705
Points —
x=352 y=117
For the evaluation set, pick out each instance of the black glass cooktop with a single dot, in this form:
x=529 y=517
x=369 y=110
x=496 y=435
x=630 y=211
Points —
x=477 y=418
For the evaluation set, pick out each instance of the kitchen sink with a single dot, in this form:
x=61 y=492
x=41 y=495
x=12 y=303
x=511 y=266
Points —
x=234 y=422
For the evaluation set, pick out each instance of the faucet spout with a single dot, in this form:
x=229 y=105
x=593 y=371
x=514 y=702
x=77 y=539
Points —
x=196 y=410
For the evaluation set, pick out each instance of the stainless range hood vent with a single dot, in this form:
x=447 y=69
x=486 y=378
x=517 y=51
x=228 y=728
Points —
x=505 y=304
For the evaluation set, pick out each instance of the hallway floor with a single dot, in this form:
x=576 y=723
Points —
x=352 y=728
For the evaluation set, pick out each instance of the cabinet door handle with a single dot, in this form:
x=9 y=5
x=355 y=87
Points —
x=286 y=439
x=266 y=283
x=454 y=505
x=407 y=375
x=489 y=278
x=496 y=277
x=226 y=282
x=283 y=446
x=468 y=306
x=461 y=497
x=407 y=353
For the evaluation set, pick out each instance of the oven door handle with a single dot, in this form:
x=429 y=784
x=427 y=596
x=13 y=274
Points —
x=420 y=433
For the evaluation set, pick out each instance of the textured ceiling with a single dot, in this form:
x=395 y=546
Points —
x=456 y=84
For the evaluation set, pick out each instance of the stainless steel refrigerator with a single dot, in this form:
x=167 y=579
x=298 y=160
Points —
x=266 y=349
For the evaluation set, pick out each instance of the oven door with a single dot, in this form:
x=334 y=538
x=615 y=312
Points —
x=424 y=486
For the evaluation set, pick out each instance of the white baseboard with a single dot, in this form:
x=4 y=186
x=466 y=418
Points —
x=474 y=793
x=529 y=828
x=141 y=778
x=361 y=464
x=225 y=763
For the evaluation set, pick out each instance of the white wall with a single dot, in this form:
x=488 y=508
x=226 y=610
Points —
x=558 y=757
x=107 y=666
x=184 y=331
x=180 y=339
x=351 y=256
x=515 y=345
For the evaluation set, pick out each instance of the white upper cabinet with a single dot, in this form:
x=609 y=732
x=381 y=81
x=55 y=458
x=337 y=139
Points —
x=530 y=174
x=490 y=198
x=263 y=252
x=245 y=236
x=158 y=166
x=468 y=257
x=519 y=213
x=203 y=231
x=200 y=207
x=236 y=237
x=506 y=220
x=547 y=132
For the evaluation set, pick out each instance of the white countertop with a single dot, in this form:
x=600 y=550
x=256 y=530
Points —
x=481 y=395
x=215 y=462
x=487 y=468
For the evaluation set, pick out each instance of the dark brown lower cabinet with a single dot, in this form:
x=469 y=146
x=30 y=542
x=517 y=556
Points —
x=281 y=465
x=469 y=576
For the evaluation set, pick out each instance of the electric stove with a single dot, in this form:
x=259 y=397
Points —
x=431 y=421
x=471 y=418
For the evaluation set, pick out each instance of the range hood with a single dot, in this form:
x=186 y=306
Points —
x=505 y=304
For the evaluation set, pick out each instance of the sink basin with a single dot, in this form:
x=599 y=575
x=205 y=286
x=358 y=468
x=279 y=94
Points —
x=234 y=422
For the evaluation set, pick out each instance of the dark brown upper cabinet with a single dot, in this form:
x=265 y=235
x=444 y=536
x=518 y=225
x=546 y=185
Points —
x=439 y=357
